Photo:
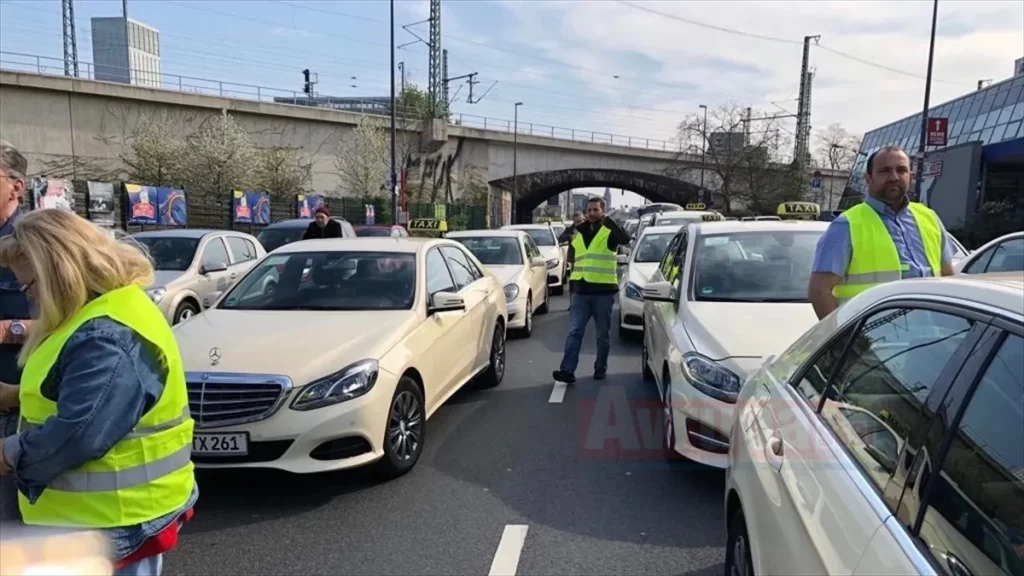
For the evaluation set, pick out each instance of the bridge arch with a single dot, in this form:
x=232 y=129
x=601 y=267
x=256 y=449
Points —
x=537 y=187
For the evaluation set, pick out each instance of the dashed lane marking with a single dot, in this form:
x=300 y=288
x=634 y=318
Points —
x=506 y=557
x=557 y=393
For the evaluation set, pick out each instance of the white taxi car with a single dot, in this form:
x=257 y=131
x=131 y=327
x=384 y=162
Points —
x=640 y=264
x=1003 y=254
x=342 y=364
x=888 y=439
x=726 y=295
x=514 y=259
x=544 y=236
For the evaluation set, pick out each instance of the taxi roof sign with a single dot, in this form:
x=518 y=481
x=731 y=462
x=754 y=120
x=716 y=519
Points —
x=696 y=206
x=799 y=209
x=428 y=225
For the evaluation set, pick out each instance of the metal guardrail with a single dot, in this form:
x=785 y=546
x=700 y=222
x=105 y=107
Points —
x=49 y=66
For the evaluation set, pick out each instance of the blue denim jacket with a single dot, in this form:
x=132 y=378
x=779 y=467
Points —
x=104 y=380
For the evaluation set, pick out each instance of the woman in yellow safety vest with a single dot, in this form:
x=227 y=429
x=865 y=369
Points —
x=105 y=437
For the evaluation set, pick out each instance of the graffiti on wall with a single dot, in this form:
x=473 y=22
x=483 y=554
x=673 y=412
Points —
x=444 y=176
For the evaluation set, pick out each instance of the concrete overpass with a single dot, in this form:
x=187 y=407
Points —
x=70 y=127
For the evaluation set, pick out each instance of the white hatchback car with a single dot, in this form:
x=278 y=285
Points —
x=888 y=439
x=640 y=265
x=726 y=295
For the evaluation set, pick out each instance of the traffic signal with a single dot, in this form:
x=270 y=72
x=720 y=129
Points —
x=307 y=87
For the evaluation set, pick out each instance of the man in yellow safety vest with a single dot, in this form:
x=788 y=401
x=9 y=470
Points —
x=887 y=237
x=593 y=284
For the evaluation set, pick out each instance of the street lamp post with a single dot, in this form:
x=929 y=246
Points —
x=924 y=113
x=703 y=153
x=515 y=160
x=394 y=152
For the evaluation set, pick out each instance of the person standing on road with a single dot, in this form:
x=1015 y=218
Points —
x=14 y=314
x=887 y=237
x=105 y=437
x=322 y=226
x=592 y=284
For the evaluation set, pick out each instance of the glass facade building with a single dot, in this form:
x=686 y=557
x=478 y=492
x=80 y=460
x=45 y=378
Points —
x=987 y=117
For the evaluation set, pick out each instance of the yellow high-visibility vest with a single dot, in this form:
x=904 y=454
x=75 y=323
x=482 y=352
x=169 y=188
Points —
x=875 y=260
x=594 y=264
x=146 y=475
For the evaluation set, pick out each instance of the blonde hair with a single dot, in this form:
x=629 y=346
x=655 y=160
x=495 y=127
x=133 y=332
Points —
x=73 y=261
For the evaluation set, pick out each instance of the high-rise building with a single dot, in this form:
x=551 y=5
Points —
x=135 y=60
x=607 y=198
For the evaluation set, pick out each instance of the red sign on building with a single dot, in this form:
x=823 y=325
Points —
x=937 y=131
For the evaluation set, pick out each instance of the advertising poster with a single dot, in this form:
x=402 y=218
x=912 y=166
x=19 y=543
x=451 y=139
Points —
x=50 y=193
x=142 y=205
x=101 y=203
x=251 y=207
x=173 y=208
x=305 y=204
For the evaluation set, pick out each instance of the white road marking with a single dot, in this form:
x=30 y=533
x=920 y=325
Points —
x=557 y=393
x=506 y=557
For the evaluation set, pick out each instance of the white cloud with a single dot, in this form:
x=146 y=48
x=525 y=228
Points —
x=691 y=65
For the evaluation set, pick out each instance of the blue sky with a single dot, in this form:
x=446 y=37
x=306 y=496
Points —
x=632 y=69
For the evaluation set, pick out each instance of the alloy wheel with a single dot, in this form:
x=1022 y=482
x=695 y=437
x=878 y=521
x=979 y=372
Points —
x=405 y=429
x=739 y=558
x=498 y=353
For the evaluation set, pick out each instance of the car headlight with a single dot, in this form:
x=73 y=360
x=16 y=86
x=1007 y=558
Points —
x=346 y=384
x=711 y=378
x=156 y=294
x=552 y=263
x=511 y=292
x=633 y=292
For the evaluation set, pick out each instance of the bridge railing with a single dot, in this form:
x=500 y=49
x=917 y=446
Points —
x=49 y=66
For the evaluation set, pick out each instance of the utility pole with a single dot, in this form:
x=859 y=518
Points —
x=70 y=43
x=394 y=150
x=703 y=153
x=401 y=70
x=444 y=81
x=515 y=164
x=746 y=126
x=924 y=113
x=803 y=113
x=434 y=46
x=127 y=40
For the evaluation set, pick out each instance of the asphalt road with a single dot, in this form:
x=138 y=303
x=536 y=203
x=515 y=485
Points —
x=522 y=458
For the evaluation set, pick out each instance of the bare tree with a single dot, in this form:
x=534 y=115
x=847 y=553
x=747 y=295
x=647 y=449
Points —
x=838 y=150
x=155 y=153
x=280 y=171
x=745 y=166
x=362 y=158
x=219 y=157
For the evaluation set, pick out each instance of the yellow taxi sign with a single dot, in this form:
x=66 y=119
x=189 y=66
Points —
x=427 y=227
x=696 y=206
x=712 y=217
x=808 y=210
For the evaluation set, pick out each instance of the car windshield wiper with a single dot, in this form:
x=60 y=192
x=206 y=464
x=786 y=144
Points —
x=751 y=300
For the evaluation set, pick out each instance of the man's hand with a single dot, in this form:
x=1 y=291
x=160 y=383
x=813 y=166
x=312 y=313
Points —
x=6 y=337
x=8 y=396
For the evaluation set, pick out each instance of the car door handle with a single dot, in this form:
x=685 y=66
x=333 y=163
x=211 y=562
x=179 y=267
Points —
x=774 y=449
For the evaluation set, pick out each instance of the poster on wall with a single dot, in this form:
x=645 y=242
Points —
x=101 y=203
x=142 y=205
x=173 y=207
x=305 y=204
x=251 y=207
x=53 y=193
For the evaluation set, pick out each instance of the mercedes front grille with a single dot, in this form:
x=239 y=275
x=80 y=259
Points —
x=218 y=399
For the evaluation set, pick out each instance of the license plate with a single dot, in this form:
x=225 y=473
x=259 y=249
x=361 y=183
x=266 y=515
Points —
x=236 y=444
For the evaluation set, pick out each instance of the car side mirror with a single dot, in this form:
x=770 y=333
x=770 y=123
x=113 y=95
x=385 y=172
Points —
x=658 y=292
x=214 y=267
x=445 y=302
x=566 y=243
x=622 y=259
x=538 y=261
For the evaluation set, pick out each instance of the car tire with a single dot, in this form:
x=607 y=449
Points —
x=184 y=311
x=668 y=436
x=737 y=552
x=495 y=370
x=405 y=431
x=645 y=368
x=543 y=308
x=527 y=328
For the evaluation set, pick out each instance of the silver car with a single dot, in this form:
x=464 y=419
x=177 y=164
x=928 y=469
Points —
x=194 y=267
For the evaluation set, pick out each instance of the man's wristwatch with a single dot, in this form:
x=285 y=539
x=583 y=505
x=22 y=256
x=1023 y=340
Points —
x=16 y=331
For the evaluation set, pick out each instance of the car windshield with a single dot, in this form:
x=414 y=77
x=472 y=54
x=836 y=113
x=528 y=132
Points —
x=168 y=253
x=327 y=281
x=754 y=266
x=373 y=231
x=677 y=220
x=558 y=229
x=274 y=238
x=494 y=251
x=542 y=236
x=652 y=247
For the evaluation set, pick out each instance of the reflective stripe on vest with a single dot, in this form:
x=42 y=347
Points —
x=594 y=264
x=875 y=259
x=147 y=474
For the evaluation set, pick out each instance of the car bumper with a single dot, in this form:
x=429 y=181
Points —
x=702 y=424
x=555 y=276
x=517 y=313
x=345 y=435
x=631 y=313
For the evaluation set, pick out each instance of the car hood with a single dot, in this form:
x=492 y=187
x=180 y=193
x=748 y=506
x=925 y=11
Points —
x=550 y=252
x=640 y=272
x=506 y=274
x=302 y=345
x=165 y=277
x=743 y=331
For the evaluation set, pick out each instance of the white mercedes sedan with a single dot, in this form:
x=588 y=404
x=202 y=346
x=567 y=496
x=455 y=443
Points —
x=514 y=259
x=342 y=363
x=738 y=293
x=639 y=266
x=544 y=236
